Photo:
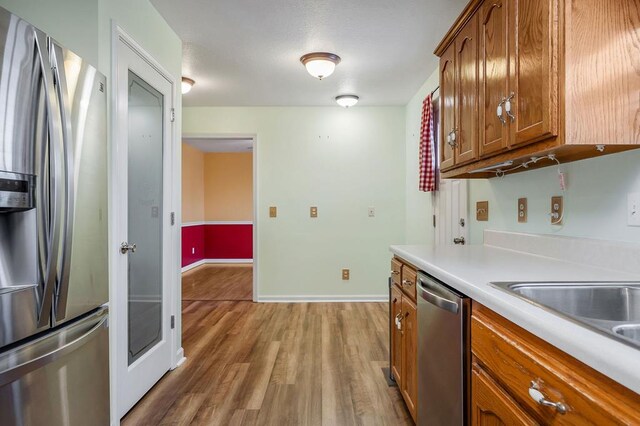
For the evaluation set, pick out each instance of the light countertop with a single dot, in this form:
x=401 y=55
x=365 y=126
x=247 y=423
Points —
x=470 y=269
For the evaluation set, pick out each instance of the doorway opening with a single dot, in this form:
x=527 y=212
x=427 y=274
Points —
x=218 y=209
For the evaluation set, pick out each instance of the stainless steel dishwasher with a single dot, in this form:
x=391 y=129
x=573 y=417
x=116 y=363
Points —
x=443 y=353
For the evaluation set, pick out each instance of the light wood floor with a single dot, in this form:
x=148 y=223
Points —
x=218 y=282
x=278 y=364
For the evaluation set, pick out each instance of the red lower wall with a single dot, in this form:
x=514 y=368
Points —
x=192 y=238
x=218 y=241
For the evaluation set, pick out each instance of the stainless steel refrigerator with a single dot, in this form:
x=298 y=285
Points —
x=54 y=347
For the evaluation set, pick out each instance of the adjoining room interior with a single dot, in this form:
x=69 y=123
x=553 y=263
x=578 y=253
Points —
x=217 y=218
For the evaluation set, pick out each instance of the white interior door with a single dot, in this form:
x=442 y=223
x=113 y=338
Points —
x=142 y=208
x=450 y=207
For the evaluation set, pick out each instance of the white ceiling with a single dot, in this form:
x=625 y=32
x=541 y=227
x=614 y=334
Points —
x=246 y=52
x=220 y=145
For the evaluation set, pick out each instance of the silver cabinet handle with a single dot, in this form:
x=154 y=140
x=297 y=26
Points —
x=507 y=107
x=499 y=112
x=452 y=138
x=126 y=247
x=395 y=272
x=539 y=397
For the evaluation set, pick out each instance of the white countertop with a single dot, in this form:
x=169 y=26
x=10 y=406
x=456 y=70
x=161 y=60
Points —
x=470 y=269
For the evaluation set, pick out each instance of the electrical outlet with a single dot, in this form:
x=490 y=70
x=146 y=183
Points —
x=273 y=211
x=371 y=211
x=522 y=210
x=482 y=211
x=633 y=209
x=557 y=210
x=345 y=275
x=313 y=212
x=193 y=250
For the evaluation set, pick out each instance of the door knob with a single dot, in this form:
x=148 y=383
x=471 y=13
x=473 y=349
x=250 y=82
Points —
x=459 y=240
x=126 y=247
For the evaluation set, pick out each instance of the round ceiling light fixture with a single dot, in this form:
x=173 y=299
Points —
x=347 y=101
x=187 y=84
x=320 y=64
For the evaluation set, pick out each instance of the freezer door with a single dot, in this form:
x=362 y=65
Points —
x=59 y=379
x=82 y=268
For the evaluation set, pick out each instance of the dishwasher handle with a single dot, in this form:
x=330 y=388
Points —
x=441 y=301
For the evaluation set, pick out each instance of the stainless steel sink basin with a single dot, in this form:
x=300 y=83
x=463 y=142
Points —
x=630 y=331
x=609 y=308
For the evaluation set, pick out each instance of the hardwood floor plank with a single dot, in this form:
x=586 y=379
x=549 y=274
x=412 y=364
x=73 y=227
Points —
x=278 y=364
x=218 y=282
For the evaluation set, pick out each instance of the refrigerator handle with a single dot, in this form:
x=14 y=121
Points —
x=23 y=367
x=55 y=130
x=60 y=308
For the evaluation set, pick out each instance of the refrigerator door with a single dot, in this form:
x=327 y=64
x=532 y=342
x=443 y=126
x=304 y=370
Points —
x=30 y=139
x=59 y=379
x=82 y=267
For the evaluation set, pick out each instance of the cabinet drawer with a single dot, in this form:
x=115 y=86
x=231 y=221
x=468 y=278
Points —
x=408 y=283
x=396 y=271
x=517 y=360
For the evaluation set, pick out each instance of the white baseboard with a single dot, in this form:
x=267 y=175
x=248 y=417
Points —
x=206 y=261
x=312 y=299
x=180 y=357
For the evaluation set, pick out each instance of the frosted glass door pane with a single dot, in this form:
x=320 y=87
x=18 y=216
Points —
x=145 y=216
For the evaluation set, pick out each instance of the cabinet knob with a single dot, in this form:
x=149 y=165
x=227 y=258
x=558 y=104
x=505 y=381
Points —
x=395 y=272
x=541 y=399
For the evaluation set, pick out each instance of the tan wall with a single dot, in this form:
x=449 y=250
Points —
x=192 y=184
x=228 y=183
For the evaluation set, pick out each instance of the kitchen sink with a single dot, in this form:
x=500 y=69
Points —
x=631 y=331
x=610 y=308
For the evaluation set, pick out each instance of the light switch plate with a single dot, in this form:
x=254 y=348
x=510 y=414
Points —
x=633 y=209
x=273 y=211
x=313 y=212
x=371 y=211
x=482 y=211
x=522 y=210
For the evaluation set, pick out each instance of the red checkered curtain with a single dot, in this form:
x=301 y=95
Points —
x=427 y=150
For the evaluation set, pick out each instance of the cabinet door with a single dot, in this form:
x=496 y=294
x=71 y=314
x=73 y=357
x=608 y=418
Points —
x=396 y=335
x=410 y=355
x=447 y=106
x=533 y=81
x=466 y=62
x=494 y=66
x=492 y=406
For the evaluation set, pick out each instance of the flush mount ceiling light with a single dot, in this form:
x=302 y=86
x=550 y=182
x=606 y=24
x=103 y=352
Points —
x=347 y=101
x=187 y=84
x=320 y=64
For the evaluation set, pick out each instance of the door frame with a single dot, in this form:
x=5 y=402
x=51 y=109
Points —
x=254 y=159
x=118 y=35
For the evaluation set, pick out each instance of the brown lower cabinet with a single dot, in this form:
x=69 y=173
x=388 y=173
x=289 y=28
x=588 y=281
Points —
x=508 y=365
x=509 y=362
x=404 y=333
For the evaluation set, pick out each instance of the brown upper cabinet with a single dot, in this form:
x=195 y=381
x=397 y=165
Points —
x=529 y=78
x=459 y=98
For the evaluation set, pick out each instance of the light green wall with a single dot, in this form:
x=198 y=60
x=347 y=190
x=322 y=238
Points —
x=342 y=161
x=419 y=226
x=595 y=200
